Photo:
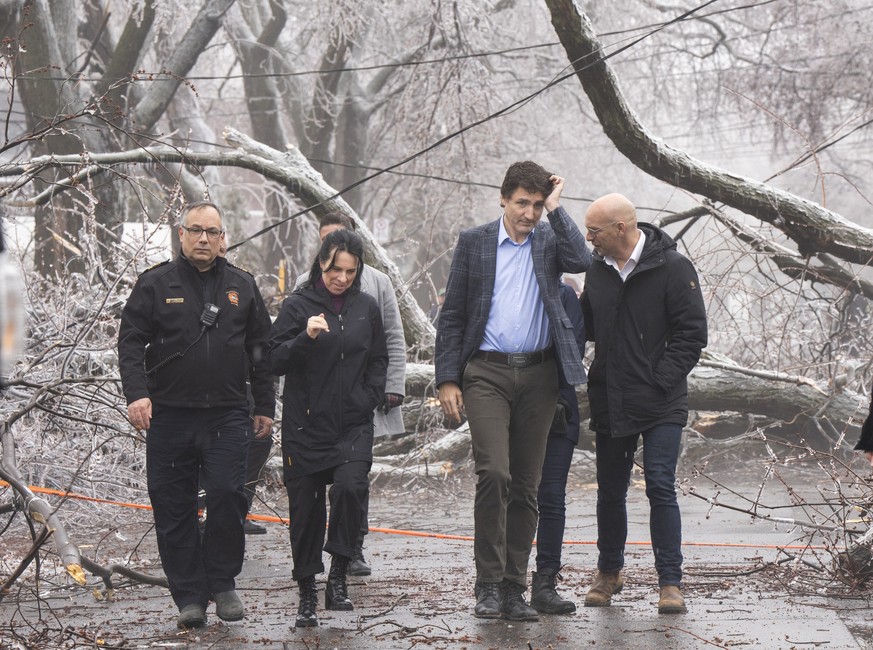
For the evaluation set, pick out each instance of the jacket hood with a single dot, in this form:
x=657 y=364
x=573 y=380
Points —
x=656 y=241
x=656 y=237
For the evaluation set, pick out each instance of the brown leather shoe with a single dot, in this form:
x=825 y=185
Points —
x=671 y=601
x=605 y=585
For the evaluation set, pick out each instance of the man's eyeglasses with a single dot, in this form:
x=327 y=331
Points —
x=596 y=231
x=196 y=231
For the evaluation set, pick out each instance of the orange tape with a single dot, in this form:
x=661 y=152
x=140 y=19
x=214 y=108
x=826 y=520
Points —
x=416 y=533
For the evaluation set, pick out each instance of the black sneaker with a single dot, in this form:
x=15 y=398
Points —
x=487 y=600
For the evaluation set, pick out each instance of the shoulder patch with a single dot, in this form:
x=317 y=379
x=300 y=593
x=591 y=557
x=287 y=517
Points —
x=154 y=266
x=240 y=268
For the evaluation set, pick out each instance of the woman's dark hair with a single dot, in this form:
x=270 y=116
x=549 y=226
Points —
x=339 y=240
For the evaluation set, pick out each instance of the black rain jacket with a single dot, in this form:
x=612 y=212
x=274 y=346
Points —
x=332 y=383
x=648 y=332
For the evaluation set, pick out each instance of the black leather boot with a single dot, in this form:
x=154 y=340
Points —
x=306 y=616
x=513 y=606
x=544 y=597
x=336 y=595
x=358 y=566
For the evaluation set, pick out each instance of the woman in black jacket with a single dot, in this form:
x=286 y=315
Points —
x=329 y=343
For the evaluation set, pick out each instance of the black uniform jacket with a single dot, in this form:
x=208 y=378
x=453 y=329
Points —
x=332 y=383
x=162 y=319
x=648 y=332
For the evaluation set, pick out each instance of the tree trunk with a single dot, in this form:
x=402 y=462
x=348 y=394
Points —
x=717 y=386
x=159 y=95
x=813 y=228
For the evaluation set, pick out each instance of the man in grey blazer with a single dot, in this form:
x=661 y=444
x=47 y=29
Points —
x=501 y=336
x=387 y=419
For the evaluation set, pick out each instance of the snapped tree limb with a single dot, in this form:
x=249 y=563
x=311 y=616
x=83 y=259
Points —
x=812 y=227
x=288 y=168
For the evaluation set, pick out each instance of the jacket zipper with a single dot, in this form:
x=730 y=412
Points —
x=342 y=367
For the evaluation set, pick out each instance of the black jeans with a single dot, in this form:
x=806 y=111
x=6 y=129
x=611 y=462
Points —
x=185 y=446
x=307 y=508
x=551 y=501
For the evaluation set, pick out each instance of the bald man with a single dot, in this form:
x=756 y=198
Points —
x=644 y=311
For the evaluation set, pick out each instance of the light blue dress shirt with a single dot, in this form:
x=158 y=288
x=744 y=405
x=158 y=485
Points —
x=517 y=321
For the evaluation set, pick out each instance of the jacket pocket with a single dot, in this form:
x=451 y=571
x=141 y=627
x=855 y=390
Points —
x=359 y=403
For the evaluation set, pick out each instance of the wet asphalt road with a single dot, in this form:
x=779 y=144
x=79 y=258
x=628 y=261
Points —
x=420 y=593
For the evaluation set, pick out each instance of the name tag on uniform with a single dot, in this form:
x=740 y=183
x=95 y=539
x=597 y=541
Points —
x=173 y=301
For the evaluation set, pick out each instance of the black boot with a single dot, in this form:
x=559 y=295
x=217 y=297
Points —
x=513 y=606
x=544 y=598
x=306 y=616
x=336 y=596
x=358 y=566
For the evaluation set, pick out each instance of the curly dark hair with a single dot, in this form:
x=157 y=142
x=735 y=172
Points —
x=527 y=175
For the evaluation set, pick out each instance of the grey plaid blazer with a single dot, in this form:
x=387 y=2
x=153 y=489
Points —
x=557 y=247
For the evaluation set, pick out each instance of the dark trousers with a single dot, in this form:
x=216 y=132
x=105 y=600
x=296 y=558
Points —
x=365 y=518
x=183 y=447
x=510 y=411
x=308 y=512
x=551 y=502
x=615 y=457
x=259 y=452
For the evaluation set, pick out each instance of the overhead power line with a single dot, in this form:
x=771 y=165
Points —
x=500 y=113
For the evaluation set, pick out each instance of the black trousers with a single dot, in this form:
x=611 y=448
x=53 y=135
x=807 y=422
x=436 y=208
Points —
x=184 y=447
x=307 y=506
x=259 y=453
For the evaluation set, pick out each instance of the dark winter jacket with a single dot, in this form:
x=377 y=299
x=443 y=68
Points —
x=648 y=332
x=332 y=383
x=161 y=321
x=865 y=443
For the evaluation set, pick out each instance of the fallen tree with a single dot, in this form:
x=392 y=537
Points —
x=718 y=385
x=813 y=228
x=288 y=168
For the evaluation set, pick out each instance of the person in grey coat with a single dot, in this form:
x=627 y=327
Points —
x=387 y=419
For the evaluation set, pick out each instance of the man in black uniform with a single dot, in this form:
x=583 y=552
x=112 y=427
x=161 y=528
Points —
x=192 y=332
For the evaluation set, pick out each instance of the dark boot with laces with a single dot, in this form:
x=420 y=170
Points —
x=336 y=595
x=358 y=566
x=544 y=596
x=488 y=598
x=306 y=616
x=513 y=607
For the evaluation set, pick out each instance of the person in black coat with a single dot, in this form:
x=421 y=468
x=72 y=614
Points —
x=329 y=343
x=644 y=310
x=552 y=493
x=193 y=331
